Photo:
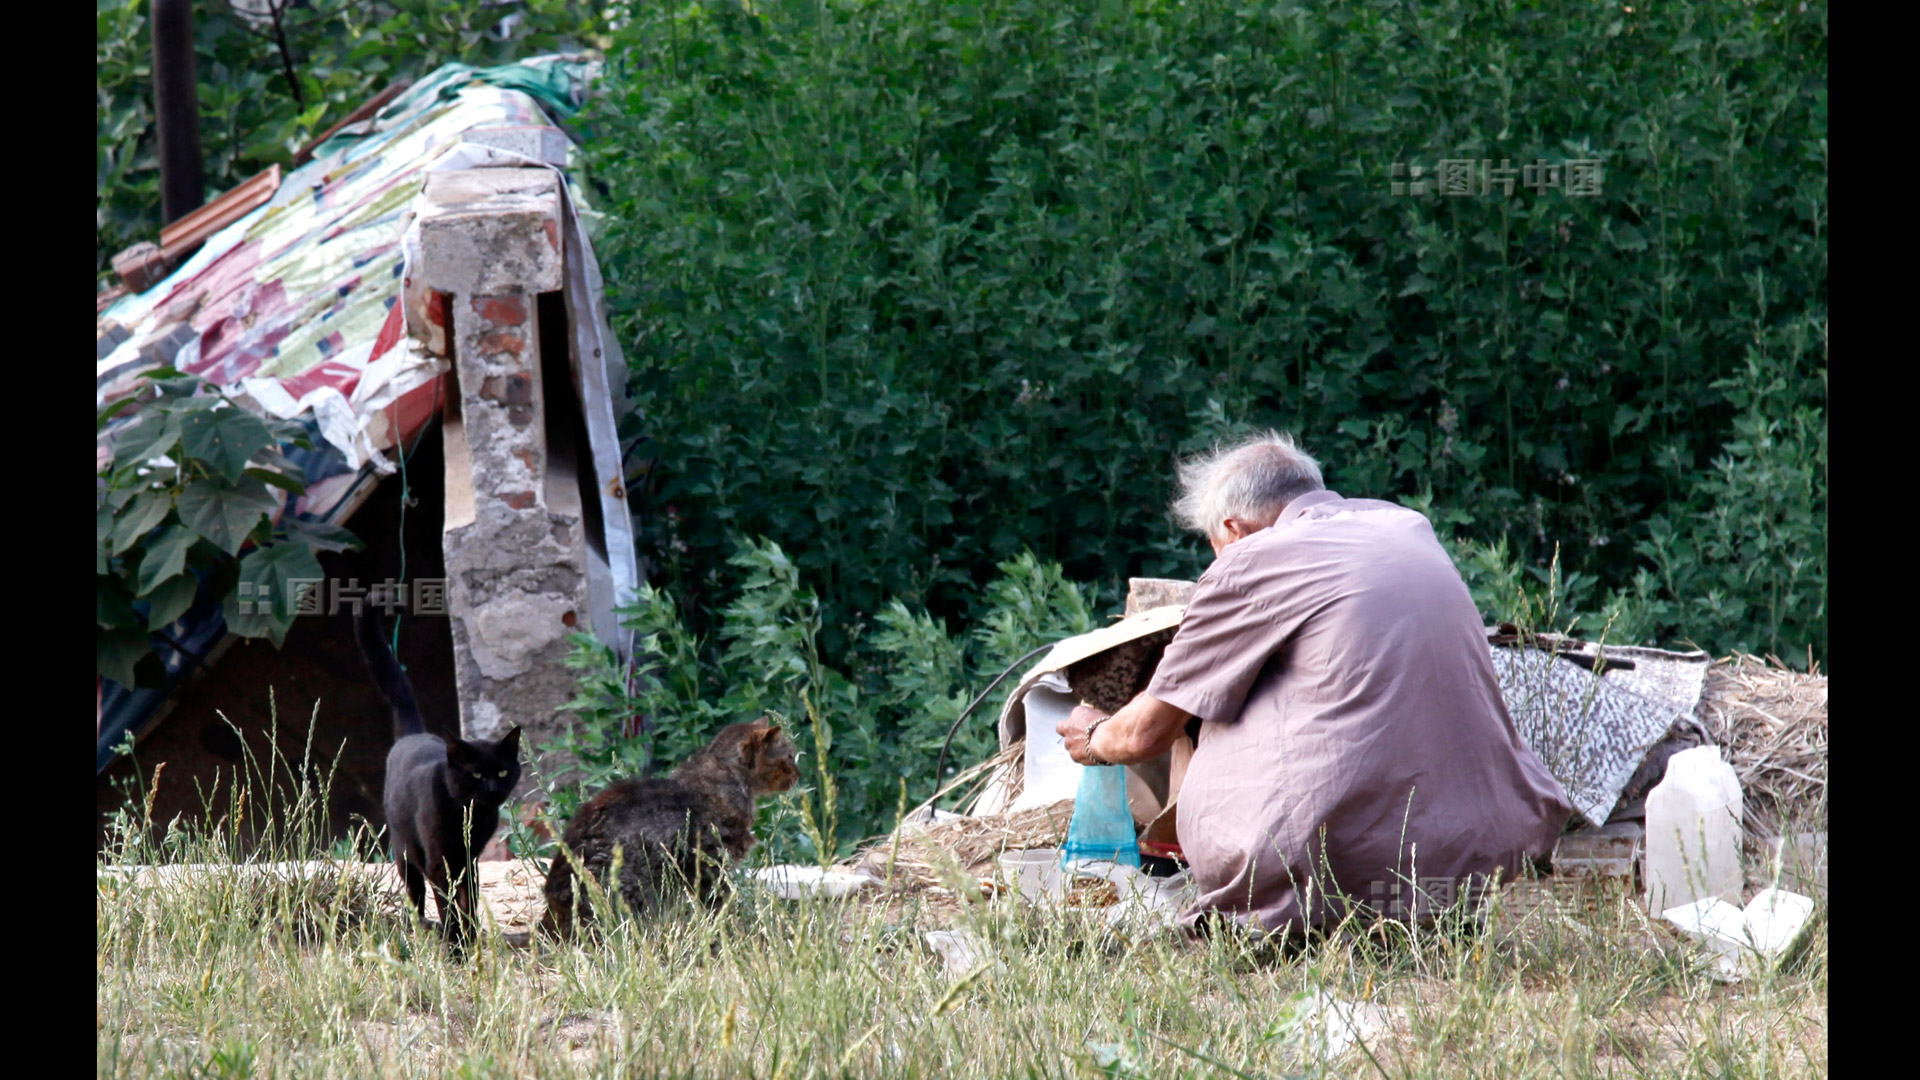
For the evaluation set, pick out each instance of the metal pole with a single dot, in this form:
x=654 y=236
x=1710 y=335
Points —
x=176 y=110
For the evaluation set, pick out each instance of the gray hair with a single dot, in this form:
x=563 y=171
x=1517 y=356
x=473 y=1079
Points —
x=1253 y=480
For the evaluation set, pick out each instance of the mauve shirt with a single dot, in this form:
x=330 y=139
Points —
x=1355 y=740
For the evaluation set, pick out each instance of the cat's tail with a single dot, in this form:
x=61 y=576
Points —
x=387 y=674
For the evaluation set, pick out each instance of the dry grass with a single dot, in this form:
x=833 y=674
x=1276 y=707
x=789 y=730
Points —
x=192 y=983
x=208 y=972
x=310 y=974
x=1771 y=723
x=931 y=856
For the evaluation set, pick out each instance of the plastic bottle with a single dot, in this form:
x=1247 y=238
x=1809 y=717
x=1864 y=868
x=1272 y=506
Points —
x=1102 y=826
x=1694 y=819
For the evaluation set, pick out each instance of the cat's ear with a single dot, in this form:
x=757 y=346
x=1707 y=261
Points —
x=750 y=745
x=459 y=754
x=511 y=742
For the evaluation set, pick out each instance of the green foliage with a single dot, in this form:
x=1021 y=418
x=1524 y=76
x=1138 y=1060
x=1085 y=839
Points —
x=1744 y=565
x=191 y=482
x=1739 y=564
x=266 y=89
x=915 y=286
x=869 y=728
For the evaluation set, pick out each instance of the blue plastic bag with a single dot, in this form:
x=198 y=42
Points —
x=1102 y=826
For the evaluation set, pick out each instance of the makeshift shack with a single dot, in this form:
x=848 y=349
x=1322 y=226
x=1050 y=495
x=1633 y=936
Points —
x=422 y=297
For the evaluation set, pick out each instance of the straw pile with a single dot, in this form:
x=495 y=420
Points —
x=1771 y=722
x=960 y=852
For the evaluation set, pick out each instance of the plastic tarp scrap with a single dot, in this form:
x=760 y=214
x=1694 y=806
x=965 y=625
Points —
x=295 y=309
x=1592 y=731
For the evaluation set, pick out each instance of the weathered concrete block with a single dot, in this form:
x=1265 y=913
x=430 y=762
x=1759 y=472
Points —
x=491 y=231
x=1144 y=594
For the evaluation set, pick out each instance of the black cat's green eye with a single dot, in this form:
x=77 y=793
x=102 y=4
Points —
x=503 y=774
x=477 y=776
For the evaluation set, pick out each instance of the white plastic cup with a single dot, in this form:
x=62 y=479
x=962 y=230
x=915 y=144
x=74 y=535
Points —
x=1034 y=874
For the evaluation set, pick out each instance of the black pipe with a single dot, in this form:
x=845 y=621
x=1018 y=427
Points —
x=176 y=110
x=940 y=767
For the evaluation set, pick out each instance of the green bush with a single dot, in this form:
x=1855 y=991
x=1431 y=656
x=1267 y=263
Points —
x=915 y=286
x=870 y=732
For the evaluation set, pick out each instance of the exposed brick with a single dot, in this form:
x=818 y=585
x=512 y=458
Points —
x=503 y=341
x=526 y=458
x=1608 y=851
x=511 y=390
x=519 y=500
x=501 y=310
x=553 y=233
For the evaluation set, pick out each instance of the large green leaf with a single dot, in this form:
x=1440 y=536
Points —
x=268 y=577
x=116 y=652
x=285 y=481
x=270 y=466
x=171 y=599
x=163 y=557
x=150 y=435
x=224 y=513
x=290 y=432
x=225 y=439
x=147 y=510
x=321 y=536
x=102 y=416
x=113 y=604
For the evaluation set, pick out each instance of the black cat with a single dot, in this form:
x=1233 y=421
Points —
x=442 y=796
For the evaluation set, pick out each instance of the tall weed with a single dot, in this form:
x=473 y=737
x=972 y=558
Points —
x=873 y=729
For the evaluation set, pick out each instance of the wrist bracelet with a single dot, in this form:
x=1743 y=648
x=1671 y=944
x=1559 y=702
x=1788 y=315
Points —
x=1091 y=728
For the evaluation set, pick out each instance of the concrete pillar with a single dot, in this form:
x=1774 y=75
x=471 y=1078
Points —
x=490 y=243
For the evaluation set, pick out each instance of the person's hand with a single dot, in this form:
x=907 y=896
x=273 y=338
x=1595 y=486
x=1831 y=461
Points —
x=1073 y=731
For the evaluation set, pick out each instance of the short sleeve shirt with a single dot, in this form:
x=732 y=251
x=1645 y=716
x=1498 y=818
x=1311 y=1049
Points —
x=1355 y=742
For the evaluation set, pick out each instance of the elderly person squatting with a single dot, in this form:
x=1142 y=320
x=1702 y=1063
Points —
x=1354 y=744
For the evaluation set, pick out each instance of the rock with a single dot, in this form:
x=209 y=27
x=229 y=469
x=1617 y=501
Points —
x=1146 y=593
x=790 y=882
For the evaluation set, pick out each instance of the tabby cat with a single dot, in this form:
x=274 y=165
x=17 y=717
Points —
x=675 y=833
